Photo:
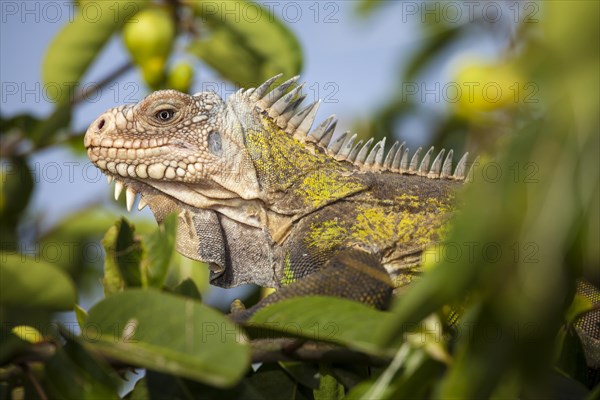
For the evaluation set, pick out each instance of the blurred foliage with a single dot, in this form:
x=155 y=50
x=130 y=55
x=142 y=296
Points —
x=529 y=230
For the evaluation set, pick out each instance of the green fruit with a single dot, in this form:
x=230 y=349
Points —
x=487 y=87
x=153 y=72
x=180 y=77
x=149 y=37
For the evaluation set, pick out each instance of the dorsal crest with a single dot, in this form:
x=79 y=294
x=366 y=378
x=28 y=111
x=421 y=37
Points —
x=284 y=107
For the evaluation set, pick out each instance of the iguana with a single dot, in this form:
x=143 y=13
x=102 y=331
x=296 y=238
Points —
x=264 y=199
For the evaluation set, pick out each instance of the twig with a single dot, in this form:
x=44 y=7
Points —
x=34 y=382
x=276 y=350
x=83 y=94
x=11 y=146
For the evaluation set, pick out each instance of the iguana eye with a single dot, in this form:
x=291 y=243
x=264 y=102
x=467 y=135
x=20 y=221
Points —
x=164 y=115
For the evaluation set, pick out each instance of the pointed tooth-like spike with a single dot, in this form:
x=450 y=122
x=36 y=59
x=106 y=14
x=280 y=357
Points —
x=376 y=155
x=354 y=151
x=283 y=120
x=362 y=154
x=280 y=105
x=248 y=92
x=270 y=98
x=292 y=108
x=371 y=157
x=414 y=161
x=469 y=177
x=389 y=158
x=424 y=166
x=118 y=189
x=324 y=142
x=459 y=172
x=141 y=204
x=398 y=158
x=436 y=166
x=346 y=148
x=379 y=155
x=109 y=179
x=447 y=167
x=129 y=198
x=260 y=91
x=316 y=134
x=300 y=115
x=336 y=145
x=306 y=122
x=404 y=162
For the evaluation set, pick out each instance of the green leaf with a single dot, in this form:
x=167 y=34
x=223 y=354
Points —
x=73 y=243
x=140 y=391
x=417 y=378
x=122 y=266
x=74 y=373
x=16 y=187
x=11 y=345
x=329 y=387
x=246 y=50
x=304 y=373
x=56 y=123
x=171 y=334
x=238 y=65
x=28 y=283
x=80 y=314
x=328 y=319
x=578 y=307
x=20 y=123
x=436 y=42
x=366 y=7
x=409 y=376
x=270 y=382
x=571 y=360
x=160 y=246
x=188 y=288
x=79 y=42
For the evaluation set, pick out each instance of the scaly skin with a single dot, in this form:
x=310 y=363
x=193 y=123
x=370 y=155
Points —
x=262 y=202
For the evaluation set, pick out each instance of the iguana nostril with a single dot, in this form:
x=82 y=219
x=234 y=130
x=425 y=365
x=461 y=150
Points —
x=101 y=124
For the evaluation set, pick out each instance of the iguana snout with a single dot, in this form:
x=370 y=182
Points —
x=167 y=136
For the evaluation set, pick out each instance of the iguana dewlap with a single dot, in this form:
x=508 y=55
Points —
x=264 y=199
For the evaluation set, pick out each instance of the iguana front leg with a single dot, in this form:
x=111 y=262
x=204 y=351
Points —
x=352 y=274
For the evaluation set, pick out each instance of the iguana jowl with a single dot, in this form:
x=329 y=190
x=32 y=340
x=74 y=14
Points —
x=263 y=199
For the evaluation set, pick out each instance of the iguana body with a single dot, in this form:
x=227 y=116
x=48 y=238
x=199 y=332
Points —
x=265 y=201
x=262 y=199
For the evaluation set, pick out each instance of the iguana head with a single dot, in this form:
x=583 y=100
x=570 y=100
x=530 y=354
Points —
x=188 y=147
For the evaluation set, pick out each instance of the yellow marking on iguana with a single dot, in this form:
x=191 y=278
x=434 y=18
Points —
x=284 y=161
x=326 y=236
x=288 y=273
x=321 y=187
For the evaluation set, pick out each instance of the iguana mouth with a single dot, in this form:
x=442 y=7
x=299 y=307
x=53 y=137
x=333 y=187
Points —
x=143 y=162
x=128 y=165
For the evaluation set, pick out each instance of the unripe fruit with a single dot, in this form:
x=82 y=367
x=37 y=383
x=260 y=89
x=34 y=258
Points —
x=149 y=37
x=27 y=333
x=153 y=71
x=180 y=77
x=487 y=87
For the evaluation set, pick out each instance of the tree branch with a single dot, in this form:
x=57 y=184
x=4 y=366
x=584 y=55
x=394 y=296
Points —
x=83 y=94
x=283 y=349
